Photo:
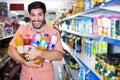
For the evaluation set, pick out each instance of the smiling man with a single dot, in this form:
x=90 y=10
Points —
x=30 y=70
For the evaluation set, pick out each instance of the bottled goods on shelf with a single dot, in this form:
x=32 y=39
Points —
x=71 y=61
x=10 y=71
x=4 y=9
x=85 y=45
x=3 y=55
x=106 y=67
x=2 y=29
x=104 y=26
x=84 y=5
x=107 y=26
x=78 y=44
x=73 y=64
x=82 y=75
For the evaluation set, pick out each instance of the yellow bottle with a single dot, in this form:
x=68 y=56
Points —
x=19 y=43
x=43 y=42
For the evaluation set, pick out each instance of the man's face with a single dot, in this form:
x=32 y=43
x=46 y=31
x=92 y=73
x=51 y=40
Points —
x=37 y=17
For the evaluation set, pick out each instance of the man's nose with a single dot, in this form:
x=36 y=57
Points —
x=36 y=17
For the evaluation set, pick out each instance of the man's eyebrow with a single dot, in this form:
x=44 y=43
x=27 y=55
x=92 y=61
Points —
x=40 y=12
x=33 y=13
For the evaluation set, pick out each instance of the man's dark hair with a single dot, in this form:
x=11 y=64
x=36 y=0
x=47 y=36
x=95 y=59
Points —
x=36 y=5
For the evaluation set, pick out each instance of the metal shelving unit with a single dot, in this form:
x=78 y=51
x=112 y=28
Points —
x=4 y=62
x=7 y=37
x=69 y=72
x=87 y=63
x=95 y=37
x=7 y=58
x=111 y=8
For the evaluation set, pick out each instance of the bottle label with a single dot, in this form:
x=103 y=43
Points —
x=26 y=48
x=20 y=49
x=34 y=43
x=43 y=43
x=51 y=46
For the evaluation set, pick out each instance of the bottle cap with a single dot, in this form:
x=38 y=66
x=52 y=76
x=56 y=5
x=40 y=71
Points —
x=46 y=35
x=55 y=33
x=27 y=34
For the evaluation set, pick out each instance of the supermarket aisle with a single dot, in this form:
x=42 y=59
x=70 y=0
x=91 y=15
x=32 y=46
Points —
x=59 y=71
x=11 y=71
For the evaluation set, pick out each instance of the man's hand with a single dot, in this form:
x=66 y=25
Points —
x=32 y=64
x=32 y=53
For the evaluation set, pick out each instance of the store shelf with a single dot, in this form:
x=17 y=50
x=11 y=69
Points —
x=112 y=8
x=111 y=41
x=85 y=62
x=95 y=37
x=69 y=72
x=4 y=62
x=6 y=37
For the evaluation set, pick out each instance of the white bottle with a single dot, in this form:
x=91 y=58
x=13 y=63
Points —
x=53 y=41
x=51 y=44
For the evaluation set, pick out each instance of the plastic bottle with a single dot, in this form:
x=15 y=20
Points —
x=19 y=43
x=35 y=42
x=35 y=39
x=44 y=42
x=51 y=44
x=78 y=44
x=53 y=41
x=27 y=41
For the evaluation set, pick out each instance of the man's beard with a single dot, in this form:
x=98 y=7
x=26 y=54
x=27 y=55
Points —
x=42 y=23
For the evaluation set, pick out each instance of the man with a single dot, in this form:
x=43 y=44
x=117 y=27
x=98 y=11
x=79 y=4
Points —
x=31 y=70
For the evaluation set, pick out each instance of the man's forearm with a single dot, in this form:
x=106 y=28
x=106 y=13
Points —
x=12 y=52
x=52 y=55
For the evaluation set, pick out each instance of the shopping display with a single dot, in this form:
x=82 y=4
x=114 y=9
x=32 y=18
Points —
x=97 y=27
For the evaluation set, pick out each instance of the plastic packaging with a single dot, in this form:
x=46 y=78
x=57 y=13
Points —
x=35 y=42
x=27 y=42
x=19 y=43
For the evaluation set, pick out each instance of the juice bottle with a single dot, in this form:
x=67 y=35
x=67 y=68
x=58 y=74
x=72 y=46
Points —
x=19 y=43
x=35 y=39
x=44 y=42
x=27 y=42
x=35 y=42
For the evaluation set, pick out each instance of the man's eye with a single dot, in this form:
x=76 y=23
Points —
x=40 y=14
x=32 y=15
